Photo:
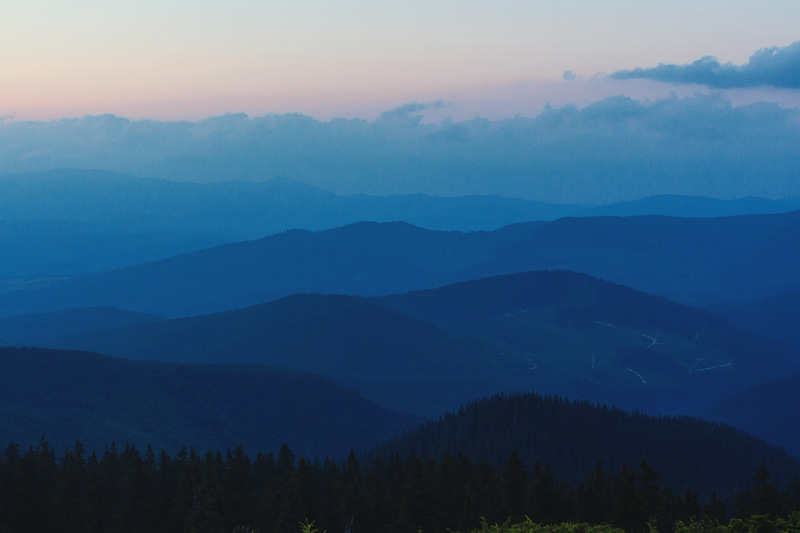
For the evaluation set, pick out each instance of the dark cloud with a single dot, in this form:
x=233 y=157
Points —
x=775 y=67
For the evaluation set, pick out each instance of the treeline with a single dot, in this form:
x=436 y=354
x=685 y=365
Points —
x=126 y=490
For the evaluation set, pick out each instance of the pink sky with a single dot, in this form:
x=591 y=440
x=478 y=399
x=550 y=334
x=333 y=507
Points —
x=176 y=59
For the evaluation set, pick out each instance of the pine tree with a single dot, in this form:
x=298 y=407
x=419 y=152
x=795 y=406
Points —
x=73 y=506
x=595 y=496
x=630 y=509
x=483 y=496
x=237 y=488
x=515 y=487
x=764 y=499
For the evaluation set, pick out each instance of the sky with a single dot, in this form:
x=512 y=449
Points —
x=188 y=60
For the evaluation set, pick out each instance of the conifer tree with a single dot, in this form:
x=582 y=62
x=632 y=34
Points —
x=515 y=487
x=764 y=499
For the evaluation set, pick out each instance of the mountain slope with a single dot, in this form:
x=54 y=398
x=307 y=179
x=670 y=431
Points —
x=73 y=396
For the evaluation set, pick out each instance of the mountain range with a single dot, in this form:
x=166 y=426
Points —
x=698 y=261
x=68 y=221
x=425 y=352
x=343 y=336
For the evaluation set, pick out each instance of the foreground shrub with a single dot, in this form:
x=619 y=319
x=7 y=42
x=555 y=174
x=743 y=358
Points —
x=754 y=524
x=529 y=526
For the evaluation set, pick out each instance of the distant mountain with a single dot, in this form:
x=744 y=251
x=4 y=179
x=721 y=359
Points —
x=71 y=396
x=250 y=209
x=770 y=410
x=688 y=260
x=675 y=205
x=363 y=258
x=40 y=329
x=454 y=213
x=69 y=221
x=554 y=332
x=571 y=437
x=694 y=261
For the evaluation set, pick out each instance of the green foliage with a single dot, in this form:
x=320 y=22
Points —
x=308 y=527
x=529 y=526
x=752 y=524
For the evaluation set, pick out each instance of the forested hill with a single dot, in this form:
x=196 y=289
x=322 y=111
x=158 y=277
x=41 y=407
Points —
x=70 y=396
x=570 y=437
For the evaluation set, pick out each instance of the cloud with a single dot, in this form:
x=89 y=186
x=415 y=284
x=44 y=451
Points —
x=413 y=109
x=774 y=67
x=615 y=149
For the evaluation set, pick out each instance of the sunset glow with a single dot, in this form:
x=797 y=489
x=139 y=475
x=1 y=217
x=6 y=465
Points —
x=190 y=60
